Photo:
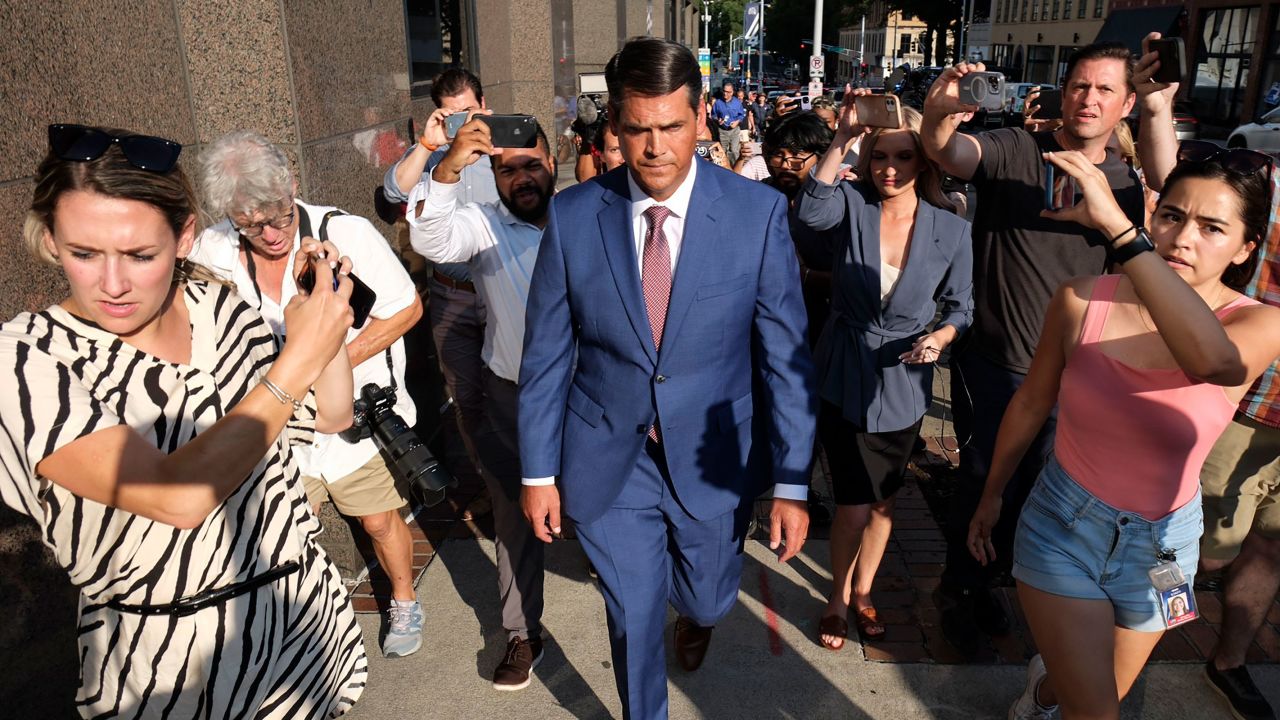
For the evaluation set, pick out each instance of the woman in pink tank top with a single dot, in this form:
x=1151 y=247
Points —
x=1146 y=368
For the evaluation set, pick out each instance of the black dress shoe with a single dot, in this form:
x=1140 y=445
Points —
x=692 y=641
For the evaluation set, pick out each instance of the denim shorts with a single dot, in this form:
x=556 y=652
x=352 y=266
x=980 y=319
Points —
x=1072 y=544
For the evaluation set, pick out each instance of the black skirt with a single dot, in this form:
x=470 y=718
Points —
x=866 y=467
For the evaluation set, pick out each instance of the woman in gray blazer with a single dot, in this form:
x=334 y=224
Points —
x=902 y=253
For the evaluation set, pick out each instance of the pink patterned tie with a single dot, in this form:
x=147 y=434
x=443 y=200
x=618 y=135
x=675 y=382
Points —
x=655 y=278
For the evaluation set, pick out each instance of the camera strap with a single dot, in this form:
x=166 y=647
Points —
x=304 y=230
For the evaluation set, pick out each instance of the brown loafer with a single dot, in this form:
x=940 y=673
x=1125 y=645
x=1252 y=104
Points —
x=692 y=641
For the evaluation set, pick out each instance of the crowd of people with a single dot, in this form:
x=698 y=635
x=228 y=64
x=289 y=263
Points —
x=730 y=291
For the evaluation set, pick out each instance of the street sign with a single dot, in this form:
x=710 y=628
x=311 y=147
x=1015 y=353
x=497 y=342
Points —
x=815 y=88
x=816 y=65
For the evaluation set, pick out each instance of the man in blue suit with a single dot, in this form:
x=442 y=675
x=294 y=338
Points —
x=665 y=332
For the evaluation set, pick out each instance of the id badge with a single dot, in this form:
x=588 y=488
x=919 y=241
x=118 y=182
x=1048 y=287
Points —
x=1177 y=600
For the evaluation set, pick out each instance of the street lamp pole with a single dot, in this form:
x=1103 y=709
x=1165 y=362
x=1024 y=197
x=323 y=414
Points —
x=706 y=25
x=814 y=73
x=760 y=48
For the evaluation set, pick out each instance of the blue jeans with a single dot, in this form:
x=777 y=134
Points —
x=1072 y=544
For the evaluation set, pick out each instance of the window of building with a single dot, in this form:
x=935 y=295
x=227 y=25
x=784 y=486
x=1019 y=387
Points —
x=1039 y=64
x=1097 y=8
x=1024 y=9
x=1066 y=9
x=1080 y=12
x=1002 y=55
x=437 y=34
x=1044 y=10
x=1055 y=9
x=1064 y=54
x=1226 y=46
x=1268 y=91
x=1035 y=10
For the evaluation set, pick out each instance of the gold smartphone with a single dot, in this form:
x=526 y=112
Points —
x=882 y=111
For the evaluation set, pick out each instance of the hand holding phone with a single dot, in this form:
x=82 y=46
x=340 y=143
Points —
x=1059 y=189
x=806 y=102
x=511 y=131
x=453 y=122
x=362 y=296
x=1049 y=104
x=984 y=89
x=1170 y=53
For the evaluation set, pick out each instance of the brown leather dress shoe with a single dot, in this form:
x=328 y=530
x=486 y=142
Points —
x=692 y=641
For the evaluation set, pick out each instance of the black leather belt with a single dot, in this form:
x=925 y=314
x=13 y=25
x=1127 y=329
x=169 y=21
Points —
x=193 y=604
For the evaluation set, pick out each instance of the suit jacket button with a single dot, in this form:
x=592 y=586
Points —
x=661 y=379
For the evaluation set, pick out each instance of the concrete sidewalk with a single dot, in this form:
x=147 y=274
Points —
x=764 y=660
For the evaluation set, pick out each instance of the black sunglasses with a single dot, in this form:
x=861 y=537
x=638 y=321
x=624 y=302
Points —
x=1236 y=160
x=81 y=143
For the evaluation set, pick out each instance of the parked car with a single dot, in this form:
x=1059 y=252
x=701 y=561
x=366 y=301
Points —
x=1185 y=124
x=1016 y=102
x=1261 y=134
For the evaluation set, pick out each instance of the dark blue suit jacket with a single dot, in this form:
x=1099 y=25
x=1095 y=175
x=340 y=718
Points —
x=857 y=357
x=591 y=381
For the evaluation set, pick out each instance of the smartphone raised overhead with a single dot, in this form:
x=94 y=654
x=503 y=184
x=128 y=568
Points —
x=1170 y=51
x=512 y=131
x=882 y=111
x=984 y=89
x=453 y=122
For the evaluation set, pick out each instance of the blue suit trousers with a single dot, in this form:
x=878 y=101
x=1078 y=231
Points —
x=650 y=553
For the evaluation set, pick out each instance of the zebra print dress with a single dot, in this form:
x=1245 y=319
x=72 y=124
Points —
x=290 y=649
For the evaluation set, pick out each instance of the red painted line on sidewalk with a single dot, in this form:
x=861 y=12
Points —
x=770 y=617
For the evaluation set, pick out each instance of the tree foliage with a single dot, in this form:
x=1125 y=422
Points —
x=939 y=16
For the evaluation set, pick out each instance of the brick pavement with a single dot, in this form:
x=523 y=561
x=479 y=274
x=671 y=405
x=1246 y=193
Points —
x=903 y=593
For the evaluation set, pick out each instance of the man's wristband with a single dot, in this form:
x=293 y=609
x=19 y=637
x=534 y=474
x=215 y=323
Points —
x=428 y=146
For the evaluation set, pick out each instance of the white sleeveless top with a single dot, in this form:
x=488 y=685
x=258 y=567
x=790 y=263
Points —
x=888 y=281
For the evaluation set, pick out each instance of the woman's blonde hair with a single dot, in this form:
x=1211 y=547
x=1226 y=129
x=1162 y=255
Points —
x=114 y=176
x=1124 y=142
x=928 y=181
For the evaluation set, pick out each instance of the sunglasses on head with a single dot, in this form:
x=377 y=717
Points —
x=80 y=143
x=1236 y=160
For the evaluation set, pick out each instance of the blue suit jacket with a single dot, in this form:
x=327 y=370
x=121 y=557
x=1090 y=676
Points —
x=857 y=357
x=733 y=349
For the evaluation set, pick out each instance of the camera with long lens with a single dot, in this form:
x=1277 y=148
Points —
x=407 y=456
x=591 y=108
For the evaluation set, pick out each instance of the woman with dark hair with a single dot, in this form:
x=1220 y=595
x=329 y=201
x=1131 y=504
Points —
x=901 y=252
x=1146 y=368
x=148 y=424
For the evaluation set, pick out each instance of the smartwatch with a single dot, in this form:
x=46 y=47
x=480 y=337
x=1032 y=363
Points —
x=1139 y=244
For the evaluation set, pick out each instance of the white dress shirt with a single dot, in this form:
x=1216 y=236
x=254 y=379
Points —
x=372 y=260
x=501 y=250
x=673 y=229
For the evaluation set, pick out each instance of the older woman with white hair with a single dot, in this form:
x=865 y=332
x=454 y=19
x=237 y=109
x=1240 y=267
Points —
x=249 y=186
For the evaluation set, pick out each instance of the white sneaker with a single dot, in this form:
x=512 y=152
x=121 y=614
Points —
x=404 y=629
x=1027 y=707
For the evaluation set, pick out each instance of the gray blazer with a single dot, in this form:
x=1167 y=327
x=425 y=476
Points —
x=857 y=355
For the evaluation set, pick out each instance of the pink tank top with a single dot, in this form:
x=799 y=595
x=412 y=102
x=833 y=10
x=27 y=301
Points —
x=1135 y=438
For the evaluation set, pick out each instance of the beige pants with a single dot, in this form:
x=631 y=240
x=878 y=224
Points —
x=1241 y=486
x=367 y=491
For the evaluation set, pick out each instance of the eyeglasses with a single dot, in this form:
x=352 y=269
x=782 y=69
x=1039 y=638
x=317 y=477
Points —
x=256 y=229
x=80 y=143
x=795 y=162
x=1236 y=160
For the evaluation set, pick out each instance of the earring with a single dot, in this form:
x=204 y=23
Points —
x=181 y=270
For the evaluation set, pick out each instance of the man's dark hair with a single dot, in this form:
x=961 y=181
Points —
x=652 y=67
x=798 y=132
x=455 y=81
x=1102 y=51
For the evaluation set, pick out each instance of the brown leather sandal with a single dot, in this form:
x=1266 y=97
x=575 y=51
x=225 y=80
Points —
x=836 y=626
x=869 y=625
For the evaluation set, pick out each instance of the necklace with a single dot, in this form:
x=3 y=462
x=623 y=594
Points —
x=1142 y=310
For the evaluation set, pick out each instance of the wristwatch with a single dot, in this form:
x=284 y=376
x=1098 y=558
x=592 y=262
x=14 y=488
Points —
x=1139 y=244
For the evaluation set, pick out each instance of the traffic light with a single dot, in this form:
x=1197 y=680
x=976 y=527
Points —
x=802 y=46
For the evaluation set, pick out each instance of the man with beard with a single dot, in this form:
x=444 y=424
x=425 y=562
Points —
x=500 y=242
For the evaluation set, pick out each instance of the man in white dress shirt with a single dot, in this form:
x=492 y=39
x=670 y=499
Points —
x=500 y=241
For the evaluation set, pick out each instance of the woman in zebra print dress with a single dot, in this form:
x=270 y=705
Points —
x=145 y=429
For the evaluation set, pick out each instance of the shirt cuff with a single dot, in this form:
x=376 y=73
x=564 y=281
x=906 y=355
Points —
x=538 y=482
x=787 y=491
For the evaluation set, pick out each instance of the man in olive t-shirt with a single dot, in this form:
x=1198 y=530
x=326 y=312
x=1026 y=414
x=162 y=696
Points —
x=1019 y=260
